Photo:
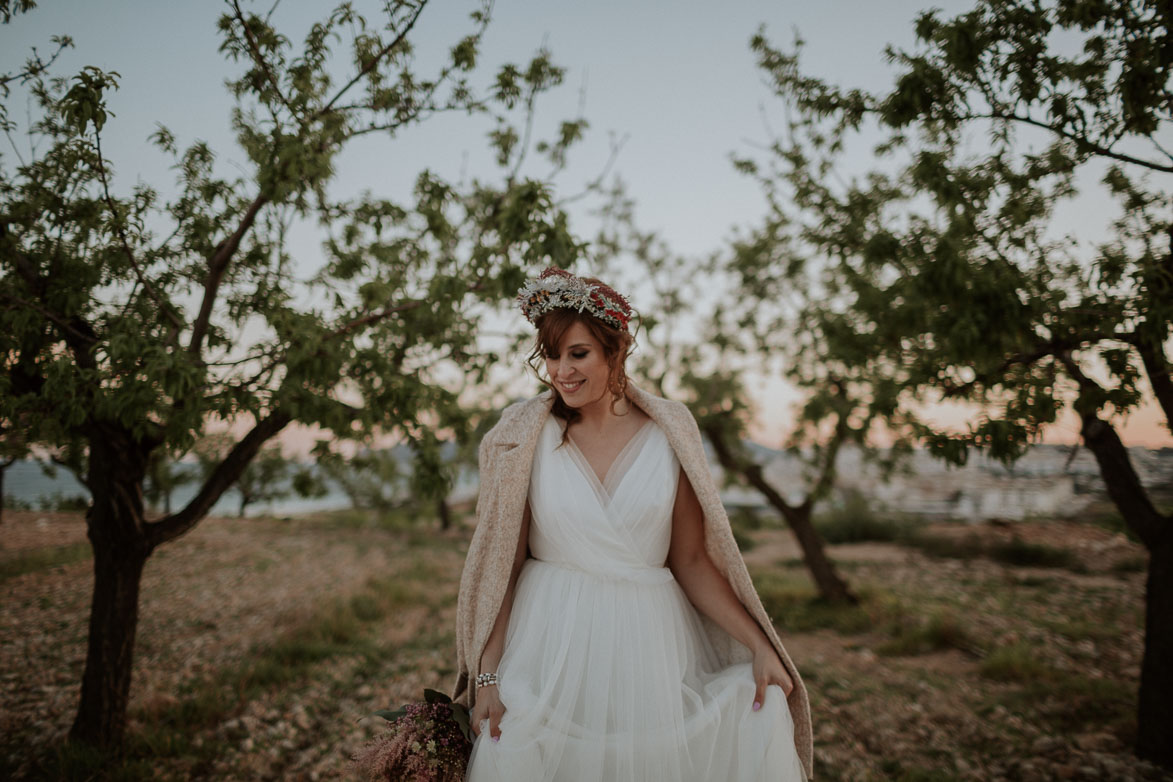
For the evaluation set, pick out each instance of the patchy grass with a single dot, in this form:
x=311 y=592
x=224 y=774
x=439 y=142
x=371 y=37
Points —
x=1109 y=518
x=1046 y=654
x=1018 y=552
x=408 y=519
x=794 y=605
x=1082 y=629
x=1136 y=564
x=855 y=521
x=918 y=634
x=76 y=762
x=38 y=559
x=1067 y=701
x=844 y=528
x=901 y=771
x=334 y=628
x=1018 y=662
x=1015 y=551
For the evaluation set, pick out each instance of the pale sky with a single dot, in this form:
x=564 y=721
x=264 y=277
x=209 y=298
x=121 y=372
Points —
x=676 y=79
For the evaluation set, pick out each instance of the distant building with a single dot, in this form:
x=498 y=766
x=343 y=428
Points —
x=1049 y=480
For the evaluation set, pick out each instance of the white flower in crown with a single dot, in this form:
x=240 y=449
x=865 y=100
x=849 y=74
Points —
x=555 y=288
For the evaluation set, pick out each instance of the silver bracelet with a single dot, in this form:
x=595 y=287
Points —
x=485 y=679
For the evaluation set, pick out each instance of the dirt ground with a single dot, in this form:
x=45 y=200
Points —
x=214 y=598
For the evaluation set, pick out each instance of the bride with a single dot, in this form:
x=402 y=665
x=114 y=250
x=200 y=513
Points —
x=607 y=628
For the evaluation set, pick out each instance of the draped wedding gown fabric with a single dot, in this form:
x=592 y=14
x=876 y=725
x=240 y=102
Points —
x=606 y=674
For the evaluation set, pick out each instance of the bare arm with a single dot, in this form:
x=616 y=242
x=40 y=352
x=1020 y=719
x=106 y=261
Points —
x=711 y=592
x=488 y=703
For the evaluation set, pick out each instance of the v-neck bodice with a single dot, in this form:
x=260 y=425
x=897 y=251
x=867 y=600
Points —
x=620 y=465
x=614 y=527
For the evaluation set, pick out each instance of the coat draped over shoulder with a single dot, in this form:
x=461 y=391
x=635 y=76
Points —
x=505 y=458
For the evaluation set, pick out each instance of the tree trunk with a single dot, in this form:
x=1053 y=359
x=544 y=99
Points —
x=114 y=525
x=1155 y=698
x=3 y=469
x=830 y=585
x=1155 y=701
x=105 y=685
x=444 y=513
x=123 y=540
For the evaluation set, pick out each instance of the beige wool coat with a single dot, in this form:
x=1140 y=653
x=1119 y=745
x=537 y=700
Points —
x=506 y=455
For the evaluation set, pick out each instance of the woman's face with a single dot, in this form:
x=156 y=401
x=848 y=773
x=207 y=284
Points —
x=579 y=369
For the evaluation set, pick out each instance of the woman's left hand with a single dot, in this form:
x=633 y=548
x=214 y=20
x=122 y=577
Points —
x=768 y=669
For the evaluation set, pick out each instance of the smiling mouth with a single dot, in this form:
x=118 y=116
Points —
x=570 y=387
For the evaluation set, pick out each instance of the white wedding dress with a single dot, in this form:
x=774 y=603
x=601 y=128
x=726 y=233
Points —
x=606 y=673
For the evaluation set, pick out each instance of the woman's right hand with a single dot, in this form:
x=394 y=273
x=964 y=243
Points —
x=488 y=706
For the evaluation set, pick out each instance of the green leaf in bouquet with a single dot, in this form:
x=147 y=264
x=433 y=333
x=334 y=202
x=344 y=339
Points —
x=461 y=718
x=435 y=696
x=391 y=714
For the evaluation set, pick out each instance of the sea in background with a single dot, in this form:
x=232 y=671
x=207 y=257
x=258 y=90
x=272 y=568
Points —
x=26 y=482
x=1048 y=481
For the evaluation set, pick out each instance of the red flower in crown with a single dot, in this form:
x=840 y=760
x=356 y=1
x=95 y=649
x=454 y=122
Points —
x=559 y=288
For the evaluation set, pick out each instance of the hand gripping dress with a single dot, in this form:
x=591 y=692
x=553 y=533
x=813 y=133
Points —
x=606 y=675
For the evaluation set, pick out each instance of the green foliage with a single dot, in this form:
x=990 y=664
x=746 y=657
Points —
x=268 y=477
x=373 y=480
x=126 y=310
x=854 y=521
x=131 y=317
x=940 y=270
x=9 y=8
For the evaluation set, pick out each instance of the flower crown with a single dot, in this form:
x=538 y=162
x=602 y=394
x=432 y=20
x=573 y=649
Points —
x=558 y=288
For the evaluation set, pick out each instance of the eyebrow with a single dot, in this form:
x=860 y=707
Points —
x=578 y=345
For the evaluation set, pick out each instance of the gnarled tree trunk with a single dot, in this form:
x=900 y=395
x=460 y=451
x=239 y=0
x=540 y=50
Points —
x=827 y=580
x=1155 y=698
x=114 y=525
x=4 y=465
x=1154 y=738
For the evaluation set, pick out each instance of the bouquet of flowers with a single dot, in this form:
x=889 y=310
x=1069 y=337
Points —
x=428 y=741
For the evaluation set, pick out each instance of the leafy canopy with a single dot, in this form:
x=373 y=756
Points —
x=147 y=314
x=945 y=267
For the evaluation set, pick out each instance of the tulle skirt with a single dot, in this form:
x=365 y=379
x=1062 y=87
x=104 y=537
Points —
x=612 y=679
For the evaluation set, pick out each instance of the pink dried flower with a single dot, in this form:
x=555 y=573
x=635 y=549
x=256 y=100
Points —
x=425 y=743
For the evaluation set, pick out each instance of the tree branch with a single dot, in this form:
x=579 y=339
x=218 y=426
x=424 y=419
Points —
x=375 y=317
x=221 y=479
x=1157 y=367
x=842 y=429
x=596 y=184
x=752 y=472
x=343 y=330
x=373 y=62
x=259 y=59
x=164 y=306
x=37 y=66
x=1120 y=478
x=62 y=322
x=1026 y=359
x=1080 y=141
x=216 y=266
